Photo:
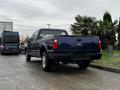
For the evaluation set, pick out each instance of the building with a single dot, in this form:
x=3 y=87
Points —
x=6 y=26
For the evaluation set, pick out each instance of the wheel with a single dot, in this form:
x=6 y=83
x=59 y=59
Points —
x=84 y=64
x=46 y=62
x=28 y=57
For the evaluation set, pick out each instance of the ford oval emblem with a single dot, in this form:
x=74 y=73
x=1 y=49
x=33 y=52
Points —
x=79 y=44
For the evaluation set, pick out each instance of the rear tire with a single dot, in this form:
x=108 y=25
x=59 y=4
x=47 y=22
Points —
x=46 y=62
x=28 y=57
x=84 y=64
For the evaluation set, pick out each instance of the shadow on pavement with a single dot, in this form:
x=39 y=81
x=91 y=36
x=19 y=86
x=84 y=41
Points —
x=57 y=68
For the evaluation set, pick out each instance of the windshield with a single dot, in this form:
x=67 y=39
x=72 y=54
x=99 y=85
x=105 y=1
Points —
x=46 y=33
x=11 y=39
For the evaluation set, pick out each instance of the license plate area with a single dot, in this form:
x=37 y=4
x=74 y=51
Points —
x=81 y=57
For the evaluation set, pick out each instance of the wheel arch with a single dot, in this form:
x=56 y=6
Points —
x=42 y=49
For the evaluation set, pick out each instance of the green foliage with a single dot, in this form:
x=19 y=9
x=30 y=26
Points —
x=105 y=28
x=83 y=25
x=113 y=61
x=107 y=20
x=108 y=27
x=118 y=30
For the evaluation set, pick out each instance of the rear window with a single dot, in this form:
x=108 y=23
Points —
x=11 y=39
x=47 y=33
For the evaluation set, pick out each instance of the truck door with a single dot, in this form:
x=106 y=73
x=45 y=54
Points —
x=33 y=44
x=36 y=45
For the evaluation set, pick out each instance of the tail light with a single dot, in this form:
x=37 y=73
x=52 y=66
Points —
x=99 y=44
x=55 y=44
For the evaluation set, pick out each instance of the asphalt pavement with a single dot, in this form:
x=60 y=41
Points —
x=17 y=74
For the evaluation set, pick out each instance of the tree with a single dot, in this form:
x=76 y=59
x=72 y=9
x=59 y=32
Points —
x=118 y=31
x=108 y=29
x=105 y=28
x=84 y=24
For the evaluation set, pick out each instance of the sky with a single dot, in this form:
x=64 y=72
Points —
x=30 y=15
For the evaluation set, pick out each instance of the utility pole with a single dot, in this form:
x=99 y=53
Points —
x=48 y=25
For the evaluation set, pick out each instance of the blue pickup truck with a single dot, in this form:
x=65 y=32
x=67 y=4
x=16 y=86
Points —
x=55 y=45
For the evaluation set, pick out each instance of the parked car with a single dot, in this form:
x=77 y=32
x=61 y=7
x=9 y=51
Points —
x=55 y=45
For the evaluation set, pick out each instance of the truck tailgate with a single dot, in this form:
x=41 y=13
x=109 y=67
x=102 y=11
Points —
x=83 y=44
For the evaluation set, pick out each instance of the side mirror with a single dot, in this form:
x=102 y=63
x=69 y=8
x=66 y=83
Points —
x=30 y=39
x=40 y=37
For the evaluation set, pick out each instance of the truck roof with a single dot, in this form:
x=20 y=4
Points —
x=52 y=29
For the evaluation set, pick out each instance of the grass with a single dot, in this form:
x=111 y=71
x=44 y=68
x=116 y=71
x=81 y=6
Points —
x=109 y=60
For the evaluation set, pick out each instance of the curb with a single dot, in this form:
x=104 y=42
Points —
x=105 y=68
